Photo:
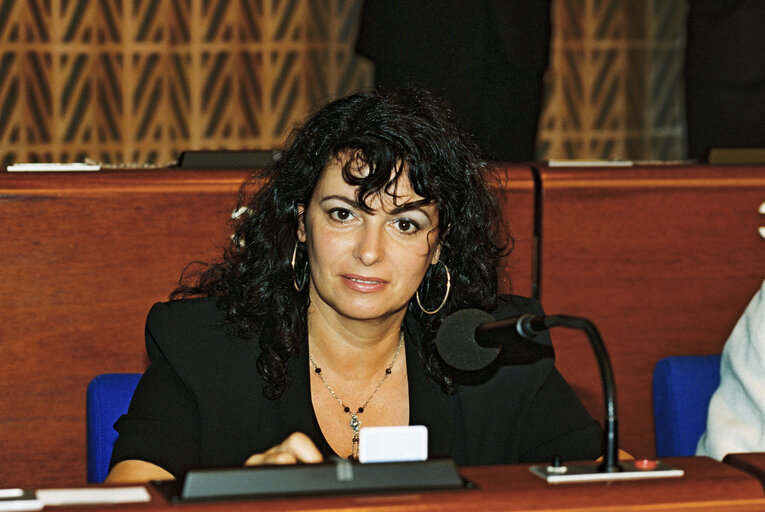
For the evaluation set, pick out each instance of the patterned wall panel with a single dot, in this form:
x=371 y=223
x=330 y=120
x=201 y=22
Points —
x=138 y=81
x=614 y=90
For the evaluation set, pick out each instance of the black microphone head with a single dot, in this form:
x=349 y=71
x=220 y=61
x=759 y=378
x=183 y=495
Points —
x=456 y=341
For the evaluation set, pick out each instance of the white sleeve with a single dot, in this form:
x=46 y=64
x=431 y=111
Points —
x=736 y=419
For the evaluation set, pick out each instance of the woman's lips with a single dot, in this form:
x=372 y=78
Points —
x=363 y=284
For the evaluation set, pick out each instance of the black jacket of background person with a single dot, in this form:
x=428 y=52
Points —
x=725 y=75
x=437 y=32
x=486 y=58
x=201 y=403
x=726 y=42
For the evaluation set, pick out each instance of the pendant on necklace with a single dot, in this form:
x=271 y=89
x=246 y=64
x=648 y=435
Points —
x=355 y=423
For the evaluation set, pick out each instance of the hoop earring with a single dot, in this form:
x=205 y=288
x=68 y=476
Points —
x=294 y=272
x=446 y=296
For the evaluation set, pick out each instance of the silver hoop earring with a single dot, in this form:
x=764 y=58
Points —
x=294 y=272
x=446 y=295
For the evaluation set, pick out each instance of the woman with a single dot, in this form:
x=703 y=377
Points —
x=373 y=226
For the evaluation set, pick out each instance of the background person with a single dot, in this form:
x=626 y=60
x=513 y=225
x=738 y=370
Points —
x=725 y=75
x=736 y=417
x=485 y=58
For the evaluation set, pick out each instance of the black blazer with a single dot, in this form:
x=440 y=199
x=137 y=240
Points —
x=725 y=43
x=200 y=402
x=436 y=32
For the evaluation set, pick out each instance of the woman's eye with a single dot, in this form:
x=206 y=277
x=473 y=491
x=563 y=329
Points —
x=407 y=226
x=340 y=214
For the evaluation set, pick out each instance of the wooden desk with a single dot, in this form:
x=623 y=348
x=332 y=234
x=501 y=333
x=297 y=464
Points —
x=752 y=463
x=708 y=485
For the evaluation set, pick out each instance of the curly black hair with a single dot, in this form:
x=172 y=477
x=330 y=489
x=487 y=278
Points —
x=398 y=131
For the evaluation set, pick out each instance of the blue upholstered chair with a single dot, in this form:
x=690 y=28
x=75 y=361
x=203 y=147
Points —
x=682 y=388
x=108 y=398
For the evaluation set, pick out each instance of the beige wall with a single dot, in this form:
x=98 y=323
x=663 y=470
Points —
x=614 y=87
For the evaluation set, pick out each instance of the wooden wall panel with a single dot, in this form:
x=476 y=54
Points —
x=82 y=259
x=516 y=194
x=84 y=256
x=614 y=87
x=663 y=259
x=140 y=81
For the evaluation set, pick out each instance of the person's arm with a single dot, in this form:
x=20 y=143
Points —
x=298 y=447
x=136 y=471
x=159 y=431
x=159 y=437
x=736 y=418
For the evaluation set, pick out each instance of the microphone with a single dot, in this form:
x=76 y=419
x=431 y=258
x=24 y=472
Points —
x=471 y=339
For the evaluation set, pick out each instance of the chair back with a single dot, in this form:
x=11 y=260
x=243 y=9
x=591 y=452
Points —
x=108 y=398
x=682 y=388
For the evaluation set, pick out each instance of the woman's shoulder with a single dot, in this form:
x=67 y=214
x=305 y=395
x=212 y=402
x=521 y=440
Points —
x=515 y=305
x=189 y=341
x=511 y=305
x=201 y=309
x=187 y=316
x=191 y=328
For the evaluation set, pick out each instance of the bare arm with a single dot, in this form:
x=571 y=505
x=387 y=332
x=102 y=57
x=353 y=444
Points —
x=296 y=448
x=136 y=471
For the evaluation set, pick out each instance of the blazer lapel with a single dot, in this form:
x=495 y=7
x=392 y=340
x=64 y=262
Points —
x=295 y=407
x=428 y=405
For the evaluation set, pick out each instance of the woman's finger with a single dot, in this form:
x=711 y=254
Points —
x=298 y=447
x=301 y=446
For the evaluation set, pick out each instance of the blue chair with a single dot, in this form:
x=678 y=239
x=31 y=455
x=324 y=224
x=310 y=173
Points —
x=108 y=398
x=682 y=388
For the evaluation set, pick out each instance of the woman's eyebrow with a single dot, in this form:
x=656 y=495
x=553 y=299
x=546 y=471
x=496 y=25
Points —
x=414 y=206
x=347 y=200
x=407 y=207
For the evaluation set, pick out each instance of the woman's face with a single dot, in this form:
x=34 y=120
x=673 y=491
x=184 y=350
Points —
x=366 y=266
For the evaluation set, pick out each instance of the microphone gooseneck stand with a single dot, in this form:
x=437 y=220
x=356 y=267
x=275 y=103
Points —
x=611 y=457
x=472 y=339
x=528 y=326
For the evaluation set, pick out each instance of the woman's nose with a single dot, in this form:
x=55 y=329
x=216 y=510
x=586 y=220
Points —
x=370 y=245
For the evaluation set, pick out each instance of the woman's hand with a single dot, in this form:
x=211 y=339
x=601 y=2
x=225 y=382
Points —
x=296 y=448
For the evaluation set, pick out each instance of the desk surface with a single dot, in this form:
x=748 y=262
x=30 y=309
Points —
x=707 y=485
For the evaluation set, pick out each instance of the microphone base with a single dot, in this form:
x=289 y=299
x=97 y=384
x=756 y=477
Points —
x=335 y=477
x=589 y=472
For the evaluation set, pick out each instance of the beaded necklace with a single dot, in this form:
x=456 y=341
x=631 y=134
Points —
x=355 y=422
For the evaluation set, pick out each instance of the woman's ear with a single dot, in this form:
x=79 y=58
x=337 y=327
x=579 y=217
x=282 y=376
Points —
x=439 y=243
x=436 y=254
x=301 y=223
